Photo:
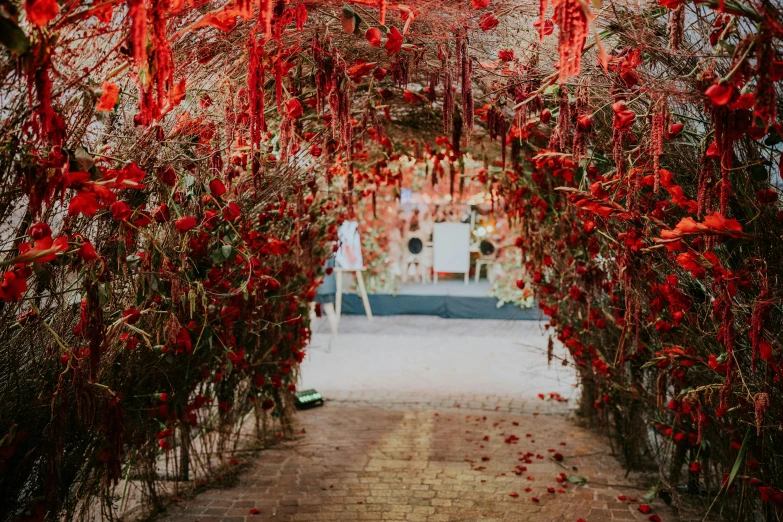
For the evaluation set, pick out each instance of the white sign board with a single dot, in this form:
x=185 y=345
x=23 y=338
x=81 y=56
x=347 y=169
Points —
x=451 y=248
x=349 y=254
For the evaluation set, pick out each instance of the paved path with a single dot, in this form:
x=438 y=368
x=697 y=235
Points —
x=446 y=449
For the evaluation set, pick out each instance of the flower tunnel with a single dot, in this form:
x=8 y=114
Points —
x=174 y=175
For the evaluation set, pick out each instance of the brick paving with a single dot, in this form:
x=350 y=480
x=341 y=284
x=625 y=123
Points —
x=430 y=465
x=445 y=451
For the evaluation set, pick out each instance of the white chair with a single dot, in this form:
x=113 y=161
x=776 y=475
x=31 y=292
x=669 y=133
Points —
x=414 y=256
x=488 y=257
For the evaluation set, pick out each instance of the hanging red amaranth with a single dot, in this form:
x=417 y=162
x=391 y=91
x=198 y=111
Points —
x=301 y=17
x=340 y=107
x=164 y=57
x=382 y=12
x=766 y=93
x=571 y=17
x=659 y=125
x=255 y=88
x=498 y=128
x=49 y=125
x=702 y=197
x=760 y=309
x=661 y=385
x=676 y=27
x=723 y=120
x=760 y=406
x=583 y=122
x=467 y=90
x=137 y=39
x=448 y=89
x=265 y=16
x=542 y=6
x=558 y=139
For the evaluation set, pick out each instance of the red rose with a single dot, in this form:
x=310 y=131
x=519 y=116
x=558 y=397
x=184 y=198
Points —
x=487 y=22
x=293 y=108
x=40 y=231
x=120 y=211
x=184 y=224
x=373 y=35
x=675 y=129
x=87 y=252
x=41 y=12
x=217 y=188
x=393 y=41
x=719 y=94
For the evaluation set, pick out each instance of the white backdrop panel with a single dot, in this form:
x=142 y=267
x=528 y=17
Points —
x=349 y=255
x=451 y=247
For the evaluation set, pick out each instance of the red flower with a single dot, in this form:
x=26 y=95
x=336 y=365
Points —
x=255 y=511
x=584 y=121
x=411 y=97
x=393 y=41
x=161 y=213
x=487 y=22
x=184 y=224
x=44 y=250
x=767 y=196
x=623 y=117
x=545 y=115
x=131 y=316
x=167 y=175
x=373 y=35
x=675 y=129
x=293 y=108
x=108 y=98
x=360 y=70
x=379 y=73
x=84 y=202
x=12 y=286
x=575 y=293
x=130 y=176
x=695 y=467
x=217 y=188
x=120 y=211
x=719 y=94
x=232 y=212
x=479 y=4
x=549 y=26
x=39 y=231
x=771 y=495
x=87 y=252
x=275 y=247
x=644 y=508
x=41 y=12
x=513 y=494
x=507 y=55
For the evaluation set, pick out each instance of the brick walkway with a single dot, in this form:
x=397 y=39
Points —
x=434 y=455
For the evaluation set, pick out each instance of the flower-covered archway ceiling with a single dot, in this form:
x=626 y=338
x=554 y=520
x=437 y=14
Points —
x=103 y=75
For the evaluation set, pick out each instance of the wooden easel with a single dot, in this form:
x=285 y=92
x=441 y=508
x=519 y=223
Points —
x=338 y=272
